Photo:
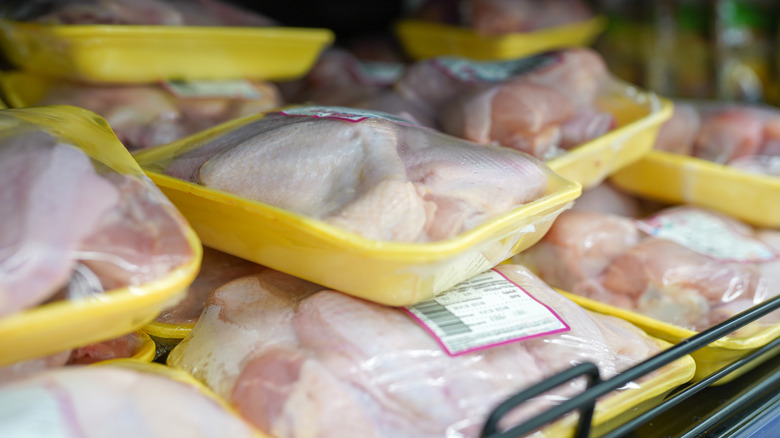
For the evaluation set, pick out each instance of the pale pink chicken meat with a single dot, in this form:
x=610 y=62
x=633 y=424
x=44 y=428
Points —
x=605 y=198
x=45 y=180
x=216 y=269
x=313 y=362
x=111 y=230
x=588 y=253
x=679 y=132
x=143 y=116
x=729 y=134
x=543 y=111
x=377 y=178
x=102 y=401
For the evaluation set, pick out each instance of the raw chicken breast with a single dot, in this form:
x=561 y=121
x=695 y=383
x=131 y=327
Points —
x=518 y=115
x=216 y=269
x=119 y=348
x=109 y=230
x=542 y=111
x=605 y=198
x=112 y=401
x=375 y=177
x=45 y=180
x=297 y=360
x=679 y=132
x=26 y=368
x=143 y=116
x=340 y=78
x=579 y=246
x=729 y=134
x=606 y=258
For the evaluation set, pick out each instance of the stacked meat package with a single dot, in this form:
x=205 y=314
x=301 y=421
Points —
x=349 y=242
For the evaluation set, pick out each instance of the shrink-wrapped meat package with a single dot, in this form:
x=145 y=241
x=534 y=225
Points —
x=686 y=266
x=296 y=359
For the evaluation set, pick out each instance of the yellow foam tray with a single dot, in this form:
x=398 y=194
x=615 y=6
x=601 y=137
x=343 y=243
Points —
x=164 y=330
x=66 y=324
x=673 y=178
x=391 y=273
x=127 y=54
x=426 y=39
x=708 y=359
x=629 y=403
x=639 y=116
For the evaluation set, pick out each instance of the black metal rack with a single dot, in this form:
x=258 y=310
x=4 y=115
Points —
x=738 y=403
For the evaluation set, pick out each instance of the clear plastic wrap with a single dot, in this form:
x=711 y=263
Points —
x=118 y=400
x=137 y=346
x=685 y=266
x=367 y=173
x=85 y=235
x=112 y=230
x=297 y=360
x=746 y=137
x=148 y=115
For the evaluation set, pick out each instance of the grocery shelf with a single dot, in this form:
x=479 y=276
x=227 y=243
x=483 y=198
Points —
x=702 y=409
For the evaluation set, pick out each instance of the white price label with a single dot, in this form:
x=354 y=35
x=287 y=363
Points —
x=485 y=311
x=708 y=234
x=227 y=89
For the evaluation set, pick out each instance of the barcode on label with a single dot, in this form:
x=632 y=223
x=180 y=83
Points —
x=445 y=320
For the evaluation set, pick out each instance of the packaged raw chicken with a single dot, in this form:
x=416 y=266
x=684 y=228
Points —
x=137 y=12
x=298 y=360
x=686 y=266
x=84 y=233
x=148 y=115
x=544 y=105
x=117 y=400
x=137 y=345
x=746 y=137
x=340 y=78
x=216 y=269
x=369 y=173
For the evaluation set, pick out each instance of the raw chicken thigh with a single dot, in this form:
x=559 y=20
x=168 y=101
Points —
x=112 y=401
x=605 y=198
x=608 y=258
x=152 y=12
x=216 y=269
x=744 y=137
x=143 y=116
x=297 y=360
x=542 y=112
x=111 y=230
x=374 y=177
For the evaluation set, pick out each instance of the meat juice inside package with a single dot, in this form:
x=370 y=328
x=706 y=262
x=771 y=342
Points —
x=686 y=266
x=296 y=359
x=73 y=227
x=745 y=137
x=366 y=172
